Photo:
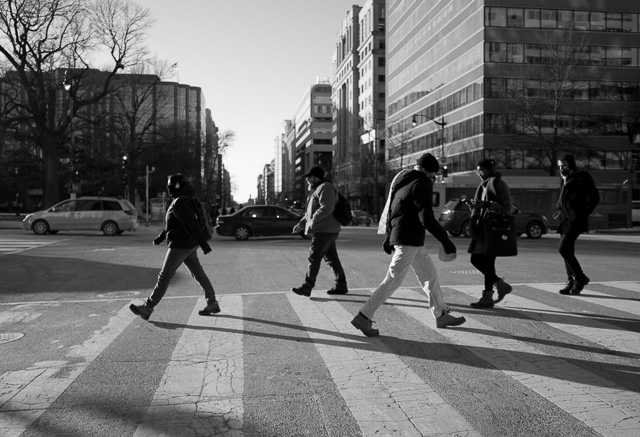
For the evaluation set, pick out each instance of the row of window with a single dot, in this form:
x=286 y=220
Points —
x=507 y=123
x=534 y=18
x=571 y=90
x=532 y=53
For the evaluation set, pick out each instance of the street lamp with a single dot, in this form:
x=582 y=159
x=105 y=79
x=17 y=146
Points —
x=66 y=83
x=148 y=211
x=440 y=123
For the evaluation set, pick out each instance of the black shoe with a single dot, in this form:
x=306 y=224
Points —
x=143 y=310
x=482 y=303
x=503 y=289
x=303 y=290
x=579 y=284
x=365 y=325
x=338 y=290
x=567 y=288
x=211 y=309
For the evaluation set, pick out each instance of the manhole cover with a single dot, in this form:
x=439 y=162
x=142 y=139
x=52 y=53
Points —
x=8 y=337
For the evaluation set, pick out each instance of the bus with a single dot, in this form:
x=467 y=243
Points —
x=540 y=194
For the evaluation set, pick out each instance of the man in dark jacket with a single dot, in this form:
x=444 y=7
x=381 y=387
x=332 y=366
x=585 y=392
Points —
x=410 y=214
x=578 y=198
x=320 y=223
x=183 y=234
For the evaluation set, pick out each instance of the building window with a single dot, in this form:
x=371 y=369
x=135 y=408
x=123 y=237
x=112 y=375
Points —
x=614 y=57
x=497 y=17
x=549 y=18
x=629 y=57
x=595 y=55
x=515 y=17
x=532 y=53
x=381 y=78
x=629 y=22
x=532 y=18
x=565 y=20
x=614 y=22
x=581 y=20
x=598 y=21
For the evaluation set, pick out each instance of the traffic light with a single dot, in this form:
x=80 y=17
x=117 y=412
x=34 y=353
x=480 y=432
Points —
x=124 y=162
x=78 y=156
x=445 y=171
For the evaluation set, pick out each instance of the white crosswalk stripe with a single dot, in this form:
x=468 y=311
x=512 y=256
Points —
x=15 y=245
x=204 y=387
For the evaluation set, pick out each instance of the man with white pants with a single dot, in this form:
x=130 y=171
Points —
x=408 y=214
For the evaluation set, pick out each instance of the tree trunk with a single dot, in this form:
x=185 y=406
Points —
x=51 y=167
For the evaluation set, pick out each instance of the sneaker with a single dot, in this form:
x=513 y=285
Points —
x=447 y=319
x=579 y=284
x=338 y=290
x=503 y=289
x=567 y=288
x=211 y=309
x=365 y=325
x=143 y=310
x=303 y=290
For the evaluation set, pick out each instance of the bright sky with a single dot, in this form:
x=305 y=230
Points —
x=254 y=60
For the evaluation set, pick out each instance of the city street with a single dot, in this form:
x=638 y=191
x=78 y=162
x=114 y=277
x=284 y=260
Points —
x=77 y=362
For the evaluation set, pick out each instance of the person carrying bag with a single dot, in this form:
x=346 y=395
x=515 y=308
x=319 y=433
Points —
x=492 y=230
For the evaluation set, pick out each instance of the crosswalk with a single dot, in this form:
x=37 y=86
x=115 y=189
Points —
x=10 y=245
x=279 y=364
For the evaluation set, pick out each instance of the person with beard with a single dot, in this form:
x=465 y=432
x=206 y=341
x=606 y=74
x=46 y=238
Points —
x=183 y=234
x=491 y=195
x=578 y=198
x=409 y=213
x=323 y=228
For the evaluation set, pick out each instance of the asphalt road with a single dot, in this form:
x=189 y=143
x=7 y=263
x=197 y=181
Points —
x=276 y=364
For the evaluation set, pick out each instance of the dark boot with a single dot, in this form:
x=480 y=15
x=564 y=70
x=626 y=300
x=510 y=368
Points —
x=579 y=284
x=503 y=289
x=339 y=288
x=303 y=290
x=567 y=288
x=486 y=301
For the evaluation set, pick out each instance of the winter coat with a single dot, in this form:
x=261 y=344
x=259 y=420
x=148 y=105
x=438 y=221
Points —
x=497 y=193
x=318 y=217
x=182 y=229
x=411 y=211
x=578 y=198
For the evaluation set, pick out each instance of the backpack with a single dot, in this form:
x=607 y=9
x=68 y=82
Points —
x=205 y=227
x=342 y=211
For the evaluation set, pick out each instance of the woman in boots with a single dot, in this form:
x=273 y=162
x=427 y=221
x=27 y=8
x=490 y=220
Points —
x=491 y=195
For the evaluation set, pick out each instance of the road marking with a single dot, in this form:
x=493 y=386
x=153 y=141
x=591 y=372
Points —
x=11 y=245
x=383 y=394
x=596 y=402
x=26 y=394
x=202 y=387
x=605 y=300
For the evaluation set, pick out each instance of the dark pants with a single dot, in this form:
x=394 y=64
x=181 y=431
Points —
x=323 y=246
x=174 y=259
x=487 y=266
x=567 y=249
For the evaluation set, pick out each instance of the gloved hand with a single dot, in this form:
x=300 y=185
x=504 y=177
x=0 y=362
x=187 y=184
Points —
x=449 y=247
x=206 y=248
x=158 y=240
x=387 y=247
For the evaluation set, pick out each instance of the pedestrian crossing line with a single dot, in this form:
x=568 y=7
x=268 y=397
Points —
x=625 y=285
x=9 y=246
x=26 y=394
x=598 y=403
x=383 y=394
x=201 y=390
x=625 y=305
x=594 y=330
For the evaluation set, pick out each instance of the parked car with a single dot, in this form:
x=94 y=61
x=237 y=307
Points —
x=361 y=217
x=455 y=220
x=257 y=220
x=107 y=214
x=635 y=212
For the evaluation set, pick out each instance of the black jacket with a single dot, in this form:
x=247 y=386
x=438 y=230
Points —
x=182 y=229
x=411 y=212
x=578 y=198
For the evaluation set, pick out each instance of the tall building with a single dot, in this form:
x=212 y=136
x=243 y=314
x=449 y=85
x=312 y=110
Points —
x=345 y=97
x=313 y=132
x=283 y=164
x=522 y=83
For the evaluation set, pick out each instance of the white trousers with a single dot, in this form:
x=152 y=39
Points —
x=403 y=258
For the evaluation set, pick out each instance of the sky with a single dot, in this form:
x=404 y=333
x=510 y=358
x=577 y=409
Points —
x=254 y=60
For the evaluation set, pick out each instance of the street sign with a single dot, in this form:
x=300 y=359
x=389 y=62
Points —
x=443 y=159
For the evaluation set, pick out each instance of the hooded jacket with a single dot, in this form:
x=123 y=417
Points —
x=411 y=211
x=182 y=229
x=578 y=198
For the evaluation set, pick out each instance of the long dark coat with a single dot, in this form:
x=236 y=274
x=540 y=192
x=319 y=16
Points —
x=498 y=193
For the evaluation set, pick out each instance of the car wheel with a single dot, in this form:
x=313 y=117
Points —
x=40 y=227
x=110 y=228
x=534 y=230
x=465 y=229
x=454 y=233
x=241 y=233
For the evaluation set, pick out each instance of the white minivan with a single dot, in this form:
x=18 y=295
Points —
x=107 y=214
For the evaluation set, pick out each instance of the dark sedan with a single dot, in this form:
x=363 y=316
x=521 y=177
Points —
x=455 y=220
x=257 y=221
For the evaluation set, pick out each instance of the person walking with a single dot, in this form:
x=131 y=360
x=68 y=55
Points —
x=323 y=228
x=183 y=234
x=578 y=198
x=409 y=212
x=492 y=195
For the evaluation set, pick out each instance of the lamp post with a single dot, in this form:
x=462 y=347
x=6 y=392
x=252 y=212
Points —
x=148 y=210
x=440 y=123
x=66 y=83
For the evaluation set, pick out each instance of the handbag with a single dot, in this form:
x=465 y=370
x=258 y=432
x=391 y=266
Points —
x=500 y=236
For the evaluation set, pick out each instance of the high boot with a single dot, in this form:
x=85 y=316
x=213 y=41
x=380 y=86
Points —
x=486 y=301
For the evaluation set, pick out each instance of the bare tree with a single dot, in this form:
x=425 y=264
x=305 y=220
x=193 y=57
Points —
x=399 y=139
x=38 y=41
x=538 y=104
